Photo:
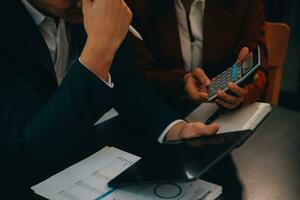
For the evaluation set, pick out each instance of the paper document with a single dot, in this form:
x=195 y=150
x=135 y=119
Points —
x=245 y=118
x=195 y=190
x=87 y=180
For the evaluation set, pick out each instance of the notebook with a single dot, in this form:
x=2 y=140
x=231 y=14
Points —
x=245 y=118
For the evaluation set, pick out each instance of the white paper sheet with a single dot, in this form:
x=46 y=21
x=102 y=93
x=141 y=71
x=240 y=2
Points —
x=195 y=190
x=87 y=179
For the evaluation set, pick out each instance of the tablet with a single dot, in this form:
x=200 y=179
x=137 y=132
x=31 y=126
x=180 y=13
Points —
x=185 y=161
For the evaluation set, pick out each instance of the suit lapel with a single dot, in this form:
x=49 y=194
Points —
x=38 y=51
x=28 y=37
x=29 y=51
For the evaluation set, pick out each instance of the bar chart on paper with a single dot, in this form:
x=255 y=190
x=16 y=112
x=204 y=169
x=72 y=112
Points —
x=87 y=179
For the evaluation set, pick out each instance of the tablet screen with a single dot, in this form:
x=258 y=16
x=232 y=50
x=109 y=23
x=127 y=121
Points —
x=185 y=161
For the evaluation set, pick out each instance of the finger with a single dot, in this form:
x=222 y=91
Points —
x=203 y=89
x=201 y=76
x=188 y=131
x=239 y=91
x=128 y=11
x=86 y=3
x=242 y=55
x=228 y=98
x=256 y=77
x=193 y=90
x=226 y=105
x=191 y=87
x=202 y=129
x=198 y=129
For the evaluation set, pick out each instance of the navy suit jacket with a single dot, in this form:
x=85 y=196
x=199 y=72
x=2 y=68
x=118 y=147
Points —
x=40 y=122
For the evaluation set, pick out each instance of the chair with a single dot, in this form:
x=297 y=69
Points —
x=277 y=36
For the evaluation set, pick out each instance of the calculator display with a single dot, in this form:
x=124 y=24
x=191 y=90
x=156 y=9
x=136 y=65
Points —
x=236 y=74
x=247 y=64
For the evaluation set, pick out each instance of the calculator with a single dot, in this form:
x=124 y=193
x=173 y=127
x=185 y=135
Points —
x=238 y=74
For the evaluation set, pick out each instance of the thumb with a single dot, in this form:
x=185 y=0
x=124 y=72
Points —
x=242 y=55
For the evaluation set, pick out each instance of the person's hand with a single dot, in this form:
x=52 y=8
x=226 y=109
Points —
x=196 y=85
x=237 y=94
x=184 y=130
x=106 y=23
x=229 y=101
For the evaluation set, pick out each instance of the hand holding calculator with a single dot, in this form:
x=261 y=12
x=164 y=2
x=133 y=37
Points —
x=238 y=74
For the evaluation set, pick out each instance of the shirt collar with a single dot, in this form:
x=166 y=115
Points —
x=195 y=1
x=37 y=16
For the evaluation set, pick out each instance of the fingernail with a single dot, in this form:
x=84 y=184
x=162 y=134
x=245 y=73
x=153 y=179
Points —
x=207 y=82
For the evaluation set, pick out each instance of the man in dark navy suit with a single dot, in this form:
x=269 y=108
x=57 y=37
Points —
x=57 y=78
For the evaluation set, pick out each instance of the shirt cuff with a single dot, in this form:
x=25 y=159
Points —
x=109 y=83
x=163 y=135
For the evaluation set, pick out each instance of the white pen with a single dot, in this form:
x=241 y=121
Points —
x=135 y=33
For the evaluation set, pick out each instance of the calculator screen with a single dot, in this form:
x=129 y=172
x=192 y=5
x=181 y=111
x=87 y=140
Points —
x=247 y=64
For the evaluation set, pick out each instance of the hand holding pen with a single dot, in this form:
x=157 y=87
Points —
x=107 y=23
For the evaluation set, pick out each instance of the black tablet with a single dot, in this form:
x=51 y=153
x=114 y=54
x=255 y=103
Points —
x=184 y=161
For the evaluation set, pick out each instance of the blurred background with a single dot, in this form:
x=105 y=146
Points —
x=288 y=11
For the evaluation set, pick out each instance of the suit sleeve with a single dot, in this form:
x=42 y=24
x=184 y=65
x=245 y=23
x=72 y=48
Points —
x=43 y=134
x=136 y=101
x=252 y=35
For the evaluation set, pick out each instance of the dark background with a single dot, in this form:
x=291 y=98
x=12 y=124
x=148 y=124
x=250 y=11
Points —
x=288 y=11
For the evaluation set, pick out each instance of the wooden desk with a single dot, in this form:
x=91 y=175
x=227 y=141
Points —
x=268 y=164
x=266 y=167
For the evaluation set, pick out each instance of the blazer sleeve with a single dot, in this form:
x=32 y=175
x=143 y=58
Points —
x=136 y=101
x=43 y=134
x=252 y=35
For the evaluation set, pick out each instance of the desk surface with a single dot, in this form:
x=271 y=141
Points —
x=266 y=167
x=268 y=164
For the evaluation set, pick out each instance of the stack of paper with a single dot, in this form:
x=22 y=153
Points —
x=87 y=180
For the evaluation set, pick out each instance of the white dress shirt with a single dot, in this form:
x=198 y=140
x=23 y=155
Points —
x=57 y=37
x=191 y=51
